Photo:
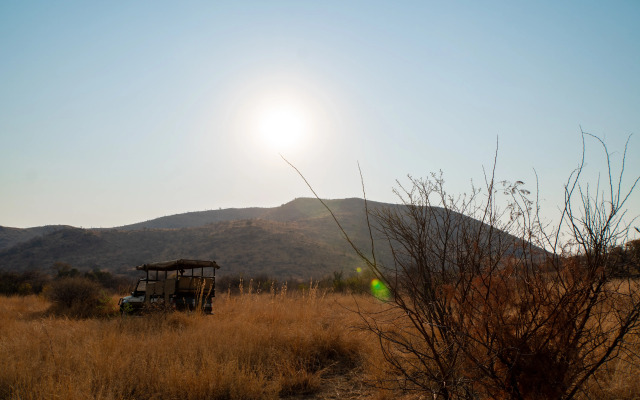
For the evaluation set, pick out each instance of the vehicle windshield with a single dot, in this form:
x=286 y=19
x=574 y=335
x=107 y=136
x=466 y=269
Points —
x=142 y=286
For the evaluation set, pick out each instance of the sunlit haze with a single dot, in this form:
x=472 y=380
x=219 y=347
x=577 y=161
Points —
x=282 y=126
x=115 y=113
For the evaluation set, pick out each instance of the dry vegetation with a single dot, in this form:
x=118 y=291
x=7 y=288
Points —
x=255 y=346
x=488 y=300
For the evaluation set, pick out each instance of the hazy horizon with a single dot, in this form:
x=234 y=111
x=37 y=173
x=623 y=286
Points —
x=112 y=114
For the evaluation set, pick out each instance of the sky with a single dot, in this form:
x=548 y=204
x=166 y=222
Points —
x=118 y=112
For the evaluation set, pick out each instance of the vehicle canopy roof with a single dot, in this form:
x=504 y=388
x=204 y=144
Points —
x=176 y=265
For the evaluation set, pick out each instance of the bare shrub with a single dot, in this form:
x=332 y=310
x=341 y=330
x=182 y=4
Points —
x=486 y=301
x=78 y=298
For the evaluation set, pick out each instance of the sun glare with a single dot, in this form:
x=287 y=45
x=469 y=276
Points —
x=283 y=127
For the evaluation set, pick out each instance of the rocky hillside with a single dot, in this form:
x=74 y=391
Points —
x=296 y=240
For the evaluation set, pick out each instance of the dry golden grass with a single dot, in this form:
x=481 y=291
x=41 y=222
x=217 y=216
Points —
x=254 y=347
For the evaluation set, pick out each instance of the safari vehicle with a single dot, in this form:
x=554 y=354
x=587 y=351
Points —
x=175 y=285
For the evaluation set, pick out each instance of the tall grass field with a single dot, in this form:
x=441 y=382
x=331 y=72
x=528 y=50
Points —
x=255 y=346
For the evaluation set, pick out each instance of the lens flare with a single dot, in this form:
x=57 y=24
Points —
x=379 y=290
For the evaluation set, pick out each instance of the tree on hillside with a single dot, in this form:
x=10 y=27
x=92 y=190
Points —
x=106 y=279
x=486 y=301
x=64 y=270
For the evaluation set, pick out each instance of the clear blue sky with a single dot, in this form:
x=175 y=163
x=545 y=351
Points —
x=118 y=112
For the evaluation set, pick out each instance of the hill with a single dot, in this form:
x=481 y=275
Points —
x=296 y=240
x=296 y=210
x=9 y=237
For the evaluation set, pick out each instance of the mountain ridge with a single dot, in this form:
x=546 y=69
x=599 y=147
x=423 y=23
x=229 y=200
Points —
x=297 y=239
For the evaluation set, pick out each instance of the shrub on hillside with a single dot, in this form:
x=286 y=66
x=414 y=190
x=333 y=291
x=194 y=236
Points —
x=65 y=270
x=107 y=280
x=78 y=298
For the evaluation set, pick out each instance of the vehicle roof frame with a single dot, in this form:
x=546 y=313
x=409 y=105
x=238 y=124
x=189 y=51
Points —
x=176 y=265
x=179 y=265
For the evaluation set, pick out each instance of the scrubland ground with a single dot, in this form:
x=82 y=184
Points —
x=254 y=346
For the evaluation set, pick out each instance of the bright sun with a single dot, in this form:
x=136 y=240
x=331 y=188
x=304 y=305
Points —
x=283 y=127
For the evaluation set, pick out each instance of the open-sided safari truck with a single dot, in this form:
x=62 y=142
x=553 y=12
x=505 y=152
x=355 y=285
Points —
x=178 y=284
